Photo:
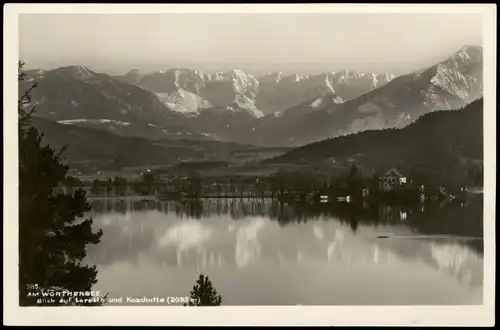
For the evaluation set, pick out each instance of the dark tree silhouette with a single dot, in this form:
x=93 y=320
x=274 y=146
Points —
x=120 y=185
x=194 y=185
x=149 y=178
x=52 y=233
x=97 y=187
x=72 y=181
x=204 y=294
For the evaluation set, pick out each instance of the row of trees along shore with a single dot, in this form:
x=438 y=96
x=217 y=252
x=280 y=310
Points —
x=283 y=185
x=53 y=233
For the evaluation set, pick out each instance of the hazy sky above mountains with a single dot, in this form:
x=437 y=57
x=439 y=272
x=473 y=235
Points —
x=257 y=43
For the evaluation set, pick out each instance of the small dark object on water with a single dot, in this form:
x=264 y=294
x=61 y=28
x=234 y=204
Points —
x=383 y=236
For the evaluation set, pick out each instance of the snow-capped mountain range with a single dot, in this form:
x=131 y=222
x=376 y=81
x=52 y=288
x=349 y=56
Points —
x=279 y=92
x=191 y=91
x=274 y=109
x=450 y=84
x=76 y=95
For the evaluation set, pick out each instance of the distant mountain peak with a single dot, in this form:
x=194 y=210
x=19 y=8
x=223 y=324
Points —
x=467 y=48
x=272 y=77
x=469 y=52
x=76 y=71
x=238 y=72
x=77 y=67
x=34 y=74
x=454 y=74
x=294 y=77
x=389 y=76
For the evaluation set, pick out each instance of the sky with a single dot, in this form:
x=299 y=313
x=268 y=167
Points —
x=257 y=43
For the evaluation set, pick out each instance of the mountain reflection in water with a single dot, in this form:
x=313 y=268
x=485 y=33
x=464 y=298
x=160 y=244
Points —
x=262 y=252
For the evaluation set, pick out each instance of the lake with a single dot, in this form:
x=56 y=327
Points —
x=261 y=252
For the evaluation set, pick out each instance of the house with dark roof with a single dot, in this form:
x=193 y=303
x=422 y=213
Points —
x=391 y=180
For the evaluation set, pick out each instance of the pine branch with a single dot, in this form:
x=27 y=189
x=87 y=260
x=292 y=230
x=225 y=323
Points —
x=24 y=99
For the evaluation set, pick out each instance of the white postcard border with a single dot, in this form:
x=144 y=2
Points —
x=225 y=315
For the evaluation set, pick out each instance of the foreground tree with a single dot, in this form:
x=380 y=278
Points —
x=52 y=233
x=204 y=294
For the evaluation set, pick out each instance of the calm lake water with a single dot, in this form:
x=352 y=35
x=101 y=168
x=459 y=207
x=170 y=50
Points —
x=261 y=252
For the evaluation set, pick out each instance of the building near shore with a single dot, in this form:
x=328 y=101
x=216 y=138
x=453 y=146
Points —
x=391 y=180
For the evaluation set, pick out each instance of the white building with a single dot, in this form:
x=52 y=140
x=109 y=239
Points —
x=391 y=180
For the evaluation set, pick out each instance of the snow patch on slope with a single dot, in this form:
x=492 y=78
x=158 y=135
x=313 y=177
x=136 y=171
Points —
x=245 y=103
x=374 y=79
x=275 y=77
x=244 y=84
x=329 y=84
x=451 y=80
x=72 y=121
x=279 y=76
x=337 y=100
x=369 y=107
x=316 y=102
x=95 y=121
x=184 y=101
